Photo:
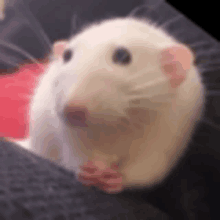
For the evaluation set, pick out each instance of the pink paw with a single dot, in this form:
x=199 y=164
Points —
x=108 y=180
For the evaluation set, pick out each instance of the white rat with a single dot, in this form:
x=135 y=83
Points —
x=117 y=104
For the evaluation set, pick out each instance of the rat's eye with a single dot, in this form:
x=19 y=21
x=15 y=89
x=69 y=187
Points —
x=122 y=56
x=67 y=55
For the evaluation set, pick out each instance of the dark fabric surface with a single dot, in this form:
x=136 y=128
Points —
x=191 y=191
x=33 y=188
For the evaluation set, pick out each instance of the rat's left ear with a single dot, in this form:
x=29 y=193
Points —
x=58 y=48
x=175 y=62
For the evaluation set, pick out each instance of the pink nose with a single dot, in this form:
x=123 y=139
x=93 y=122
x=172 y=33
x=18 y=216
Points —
x=76 y=115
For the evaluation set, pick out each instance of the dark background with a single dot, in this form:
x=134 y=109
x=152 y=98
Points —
x=56 y=18
x=204 y=14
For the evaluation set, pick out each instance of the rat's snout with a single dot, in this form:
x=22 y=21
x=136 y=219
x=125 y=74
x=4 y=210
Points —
x=76 y=115
x=100 y=95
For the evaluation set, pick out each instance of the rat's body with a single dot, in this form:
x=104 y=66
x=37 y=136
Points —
x=136 y=112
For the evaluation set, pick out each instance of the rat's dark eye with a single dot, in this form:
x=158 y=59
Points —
x=67 y=55
x=122 y=56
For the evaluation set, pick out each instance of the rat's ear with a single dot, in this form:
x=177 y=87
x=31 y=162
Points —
x=58 y=48
x=175 y=62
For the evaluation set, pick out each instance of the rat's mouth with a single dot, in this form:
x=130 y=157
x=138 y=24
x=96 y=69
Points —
x=76 y=118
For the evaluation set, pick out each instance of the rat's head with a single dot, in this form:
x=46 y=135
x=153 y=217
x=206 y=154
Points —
x=127 y=71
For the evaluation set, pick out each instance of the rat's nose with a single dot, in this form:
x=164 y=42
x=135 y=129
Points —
x=76 y=115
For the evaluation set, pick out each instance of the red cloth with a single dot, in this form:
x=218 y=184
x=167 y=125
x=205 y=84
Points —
x=16 y=91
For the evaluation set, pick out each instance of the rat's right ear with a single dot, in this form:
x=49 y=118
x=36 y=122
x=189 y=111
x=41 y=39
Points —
x=175 y=63
x=58 y=48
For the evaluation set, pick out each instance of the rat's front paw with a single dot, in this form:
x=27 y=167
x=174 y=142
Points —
x=108 y=180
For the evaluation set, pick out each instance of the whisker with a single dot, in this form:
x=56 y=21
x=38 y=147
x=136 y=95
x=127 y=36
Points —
x=150 y=83
x=207 y=51
x=203 y=68
x=151 y=6
x=134 y=12
x=199 y=44
x=6 y=60
x=213 y=93
x=209 y=122
x=25 y=12
x=16 y=48
x=144 y=96
x=74 y=23
x=138 y=74
x=167 y=23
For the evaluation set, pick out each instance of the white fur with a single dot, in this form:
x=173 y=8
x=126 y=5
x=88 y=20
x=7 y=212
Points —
x=91 y=77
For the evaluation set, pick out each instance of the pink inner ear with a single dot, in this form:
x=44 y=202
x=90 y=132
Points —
x=175 y=61
x=59 y=48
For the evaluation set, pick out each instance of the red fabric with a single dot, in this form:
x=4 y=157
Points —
x=16 y=91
